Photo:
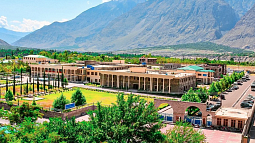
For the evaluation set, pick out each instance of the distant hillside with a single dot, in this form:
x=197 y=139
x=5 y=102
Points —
x=241 y=6
x=125 y=24
x=3 y=43
x=185 y=49
x=82 y=28
x=243 y=34
x=11 y=36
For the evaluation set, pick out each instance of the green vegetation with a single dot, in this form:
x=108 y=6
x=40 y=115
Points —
x=60 y=102
x=163 y=105
x=17 y=114
x=9 y=96
x=200 y=95
x=184 y=133
x=128 y=120
x=78 y=98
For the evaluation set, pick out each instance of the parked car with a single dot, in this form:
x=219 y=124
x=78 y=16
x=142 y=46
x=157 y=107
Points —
x=209 y=107
x=245 y=105
x=235 y=87
x=222 y=96
x=239 y=82
x=235 y=83
x=215 y=107
x=249 y=101
x=247 y=77
x=229 y=90
x=244 y=79
x=250 y=97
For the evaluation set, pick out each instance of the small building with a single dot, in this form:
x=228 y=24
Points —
x=38 y=59
x=171 y=66
x=119 y=61
x=202 y=76
x=148 y=61
x=219 y=69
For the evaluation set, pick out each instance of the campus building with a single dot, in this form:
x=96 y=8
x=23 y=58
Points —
x=219 y=69
x=202 y=76
x=38 y=59
x=148 y=61
x=141 y=79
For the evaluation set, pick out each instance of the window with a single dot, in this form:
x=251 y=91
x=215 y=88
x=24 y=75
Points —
x=92 y=73
x=98 y=80
x=225 y=123
x=95 y=73
x=219 y=121
x=233 y=123
x=240 y=124
x=199 y=74
x=87 y=73
x=95 y=80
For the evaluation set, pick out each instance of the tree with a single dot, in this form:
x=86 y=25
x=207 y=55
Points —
x=184 y=133
x=65 y=82
x=21 y=81
x=33 y=86
x=58 y=80
x=60 y=102
x=34 y=103
x=49 y=86
x=14 y=84
x=191 y=96
x=78 y=98
x=44 y=81
x=38 y=85
x=129 y=120
x=213 y=89
x=6 y=82
x=219 y=86
x=9 y=96
x=62 y=78
x=202 y=94
x=27 y=90
x=17 y=114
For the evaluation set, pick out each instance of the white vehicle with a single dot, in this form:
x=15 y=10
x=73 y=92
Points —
x=253 y=86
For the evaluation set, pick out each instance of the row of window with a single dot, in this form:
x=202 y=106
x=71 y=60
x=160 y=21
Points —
x=233 y=123
x=91 y=73
x=28 y=58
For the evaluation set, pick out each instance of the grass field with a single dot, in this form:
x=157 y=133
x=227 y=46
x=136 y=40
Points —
x=91 y=97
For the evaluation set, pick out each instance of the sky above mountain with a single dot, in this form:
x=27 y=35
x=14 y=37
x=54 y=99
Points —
x=30 y=15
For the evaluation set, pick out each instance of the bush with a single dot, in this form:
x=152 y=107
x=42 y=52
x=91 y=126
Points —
x=60 y=102
x=78 y=98
x=9 y=96
x=9 y=103
x=164 y=105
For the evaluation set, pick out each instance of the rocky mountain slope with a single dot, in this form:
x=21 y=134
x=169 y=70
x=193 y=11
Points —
x=11 y=36
x=241 y=6
x=81 y=28
x=165 y=22
x=243 y=34
x=3 y=43
x=120 y=25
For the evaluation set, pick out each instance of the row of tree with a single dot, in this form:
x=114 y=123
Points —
x=200 y=95
x=224 y=83
x=129 y=120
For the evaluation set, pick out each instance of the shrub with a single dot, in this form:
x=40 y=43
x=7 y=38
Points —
x=60 y=102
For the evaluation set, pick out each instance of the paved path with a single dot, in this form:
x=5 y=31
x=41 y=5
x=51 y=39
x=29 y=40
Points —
x=70 y=85
x=214 y=136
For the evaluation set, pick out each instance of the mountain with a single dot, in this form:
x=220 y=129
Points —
x=243 y=34
x=83 y=27
x=120 y=25
x=165 y=22
x=3 y=43
x=241 y=6
x=11 y=36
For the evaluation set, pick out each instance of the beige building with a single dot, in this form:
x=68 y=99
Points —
x=148 y=61
x=38 y=59
x=202 y=76
x=139 y=78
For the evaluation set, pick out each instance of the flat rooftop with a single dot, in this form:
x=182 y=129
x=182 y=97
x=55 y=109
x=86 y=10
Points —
x=233 y=113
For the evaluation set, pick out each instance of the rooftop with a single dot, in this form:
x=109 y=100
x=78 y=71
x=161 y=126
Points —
x=233 y=113
x=35 y=56
x=195 y=68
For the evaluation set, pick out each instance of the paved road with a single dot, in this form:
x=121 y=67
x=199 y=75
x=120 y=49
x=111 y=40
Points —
x=233 y=97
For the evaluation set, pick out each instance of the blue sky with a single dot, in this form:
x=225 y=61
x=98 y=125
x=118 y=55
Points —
x=29 y=15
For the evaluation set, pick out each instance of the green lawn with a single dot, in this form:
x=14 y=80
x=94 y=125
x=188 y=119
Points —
x=91 y=97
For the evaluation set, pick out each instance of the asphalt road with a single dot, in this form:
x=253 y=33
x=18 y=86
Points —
x=234 y=98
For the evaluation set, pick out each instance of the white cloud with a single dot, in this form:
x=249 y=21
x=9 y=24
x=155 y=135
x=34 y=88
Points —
x=3 y=21
x=27 y=25
x=105 y=1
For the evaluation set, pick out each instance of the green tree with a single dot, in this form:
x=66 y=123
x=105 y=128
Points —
x=78 y=98
x=184 y=133
x=38 y=84
x=129 y=120
x=58 y=80
x=60 y=102
x=62 y=78
x=202 y=94
x=213 y=90
x=9 y=96
x=191 y=96
x=44 y=81
x=14 y=84
x=6 y=82
x=65 y=82
x=17 y=114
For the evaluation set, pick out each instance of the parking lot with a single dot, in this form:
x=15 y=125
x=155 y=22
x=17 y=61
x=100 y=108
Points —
x=234 y=98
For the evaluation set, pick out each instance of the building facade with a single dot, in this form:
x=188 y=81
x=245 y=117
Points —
x=148 y=61
x=38 y=59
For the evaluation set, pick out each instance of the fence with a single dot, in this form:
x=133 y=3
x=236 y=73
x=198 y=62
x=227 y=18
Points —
x=166 y=117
